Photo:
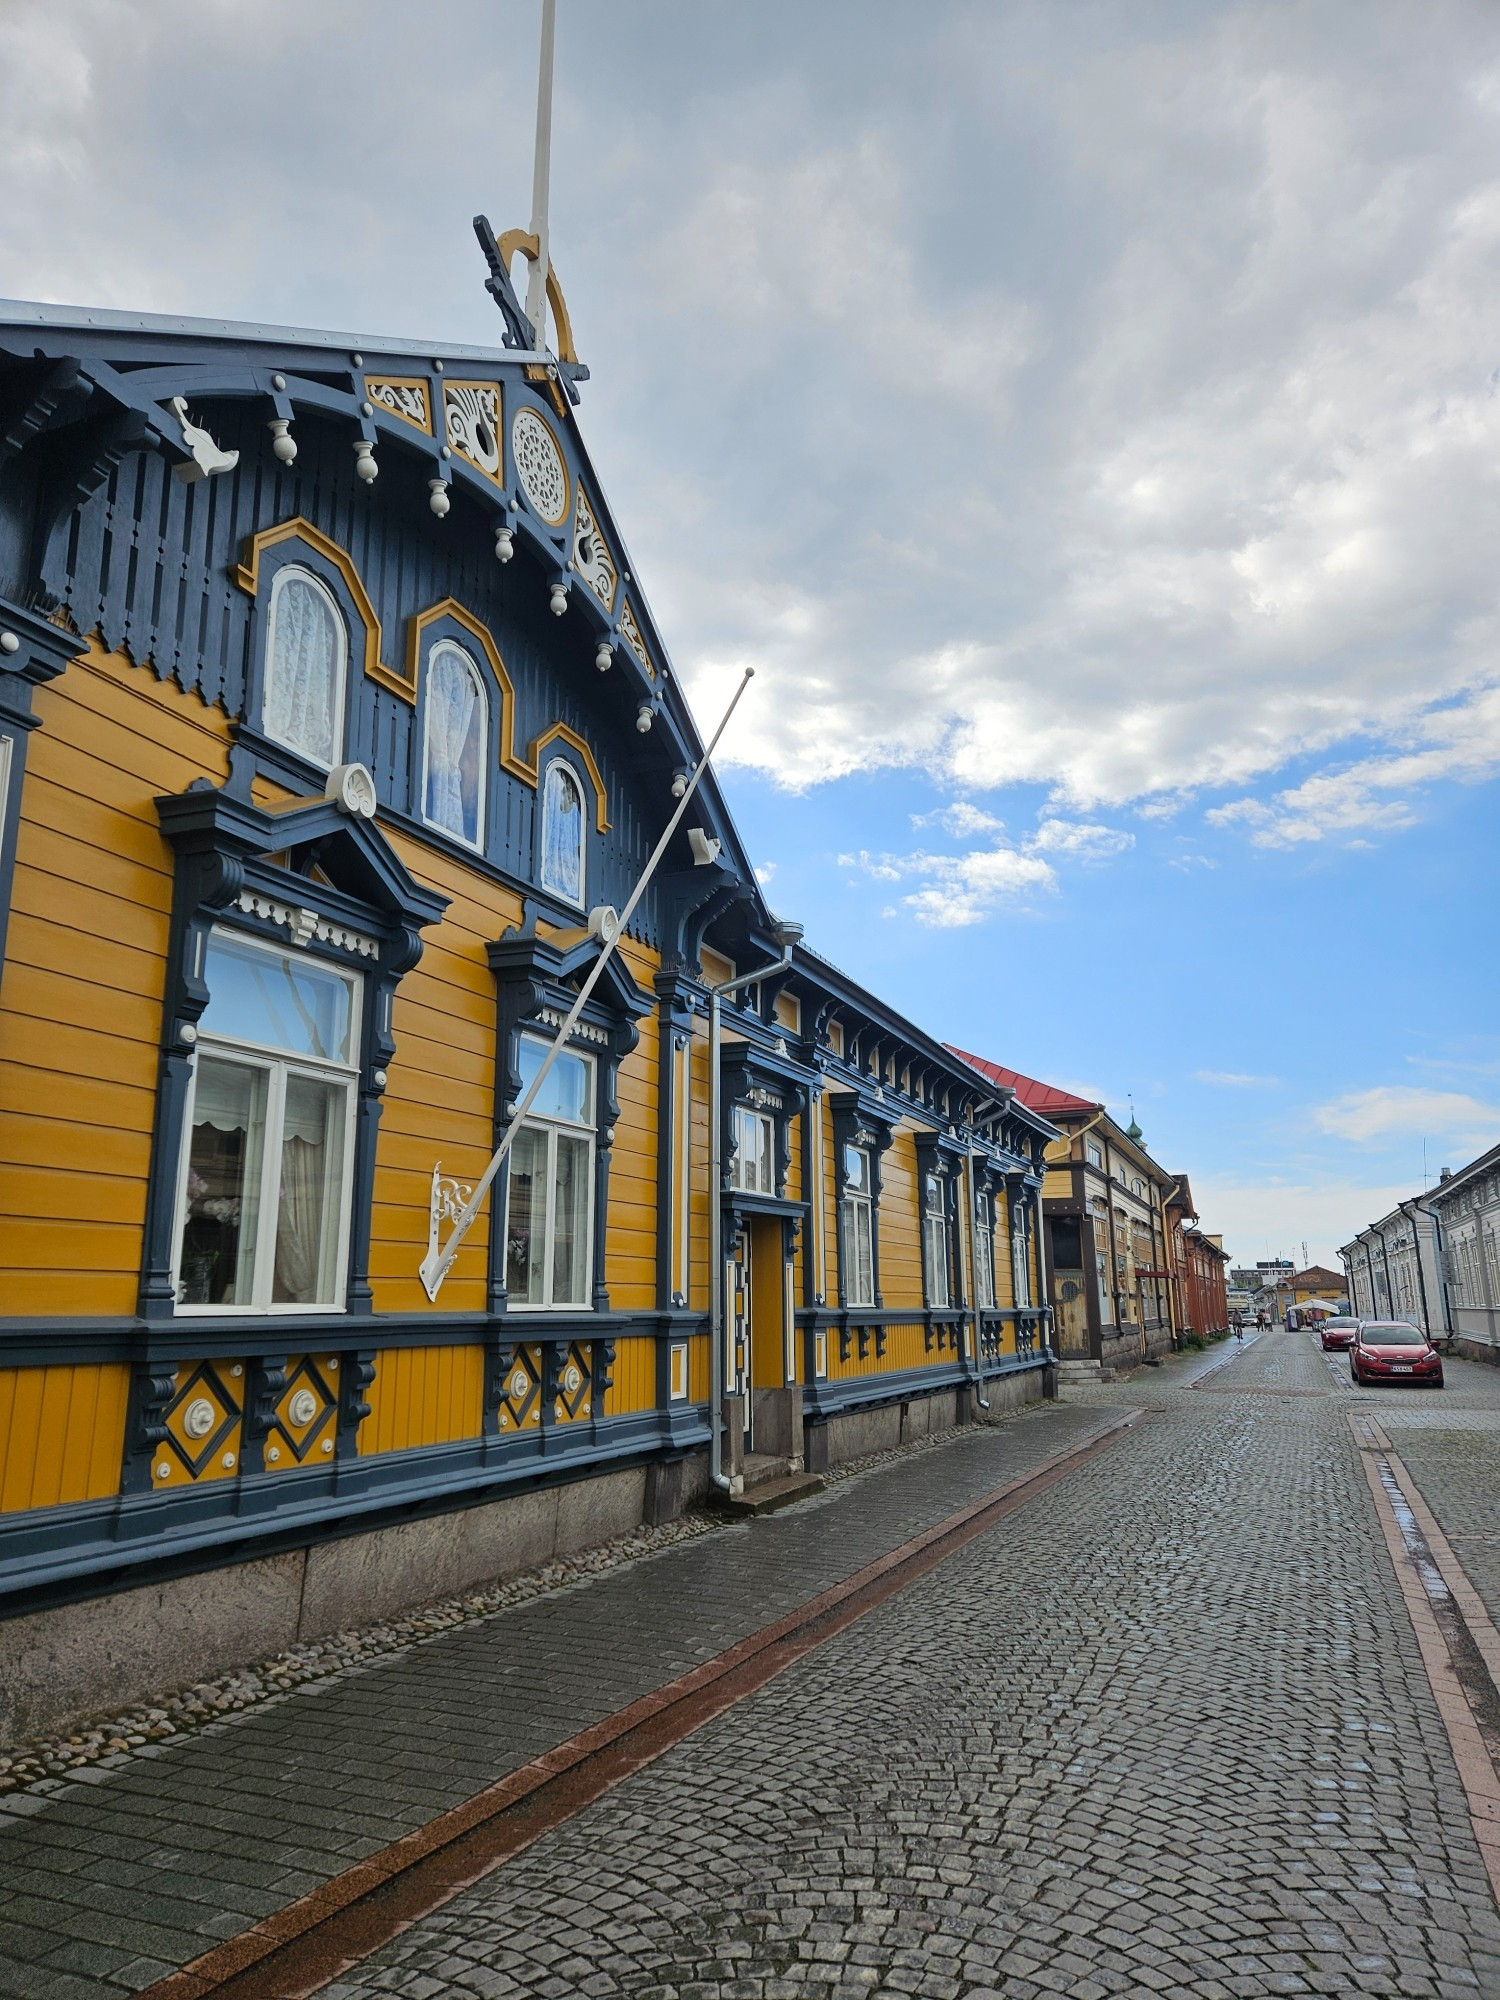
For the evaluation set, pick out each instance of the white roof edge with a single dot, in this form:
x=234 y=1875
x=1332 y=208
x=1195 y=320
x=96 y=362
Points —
x=103 y=319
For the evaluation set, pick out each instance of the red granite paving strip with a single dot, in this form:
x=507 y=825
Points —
x=308 y=1943
x=1471 y=1754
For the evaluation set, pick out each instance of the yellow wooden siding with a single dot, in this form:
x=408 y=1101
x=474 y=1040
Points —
x=900 y=1224
x=423 y=1395
x=767 y=1303
x=62 y=1434
x=630 y=1247
x=634 y=1385
x=794 y=1183
x=905 y=1347
x=831 y=1245
x=80 y=996
x=698 y=1200
x=699 y=1361
x=789 y=1012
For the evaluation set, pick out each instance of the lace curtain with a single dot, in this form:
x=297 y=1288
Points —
x=304 y=668
x=455 y=745
x=562 y=834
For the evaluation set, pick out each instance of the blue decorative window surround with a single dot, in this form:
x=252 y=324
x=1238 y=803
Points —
x=536 y=982
x=335 y=891
x=39 y=653
x=863 y=1122
x=456 y=733
x=285 y=733
x=939 y=1175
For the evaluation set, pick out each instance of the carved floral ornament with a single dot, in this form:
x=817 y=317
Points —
x=402 y=396
x=471 y=421
x=591 y=557
x=539 y=465
x=763 y=1099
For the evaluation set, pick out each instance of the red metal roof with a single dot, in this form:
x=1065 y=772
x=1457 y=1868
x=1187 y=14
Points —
x=1043 y=1097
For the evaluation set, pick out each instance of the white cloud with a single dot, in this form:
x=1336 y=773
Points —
x=1079 y=841
x=959 y=889
x=1233 y=1080
x=963 y=820
x=1274 y=1218
x=1401 y=1109
x=765 y=873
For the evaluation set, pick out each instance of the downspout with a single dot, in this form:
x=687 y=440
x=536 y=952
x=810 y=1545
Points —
x=790 y=936
x=1166 y=1253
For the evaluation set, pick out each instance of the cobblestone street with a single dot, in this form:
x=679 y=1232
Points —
x=1166 y=1729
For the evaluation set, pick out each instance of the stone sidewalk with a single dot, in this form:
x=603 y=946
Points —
x=1168 y=1733
x=110 y=1881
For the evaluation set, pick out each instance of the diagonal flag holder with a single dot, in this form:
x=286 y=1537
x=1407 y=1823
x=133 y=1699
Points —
x=609 y=929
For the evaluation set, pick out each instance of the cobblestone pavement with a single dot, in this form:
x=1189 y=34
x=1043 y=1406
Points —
x=1164 y=1731
x=111 y=1880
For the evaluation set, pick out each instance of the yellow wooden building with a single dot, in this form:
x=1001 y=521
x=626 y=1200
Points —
x=334 y=727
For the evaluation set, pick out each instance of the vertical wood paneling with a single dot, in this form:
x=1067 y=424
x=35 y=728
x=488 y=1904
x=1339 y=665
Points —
x=62 y=1434
x=1005 y=1276
x=832 y=1248
x=630 y=1248
x=634 y=1385
x=423 y=1395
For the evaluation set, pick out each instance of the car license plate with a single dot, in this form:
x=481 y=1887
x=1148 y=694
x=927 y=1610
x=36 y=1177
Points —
x=1401 y=1367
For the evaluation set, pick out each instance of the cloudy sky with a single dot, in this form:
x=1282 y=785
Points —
x=1084 y=417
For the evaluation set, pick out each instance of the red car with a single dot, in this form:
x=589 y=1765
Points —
x=1392 y=1350
x=1338 y=1333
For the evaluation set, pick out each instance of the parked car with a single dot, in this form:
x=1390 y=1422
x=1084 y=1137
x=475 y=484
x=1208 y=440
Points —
x=1393 y=1350
x=1338 y=1332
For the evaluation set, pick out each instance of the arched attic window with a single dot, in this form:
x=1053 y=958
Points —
x=307 y=655
x=562 y=832
x=455 y=739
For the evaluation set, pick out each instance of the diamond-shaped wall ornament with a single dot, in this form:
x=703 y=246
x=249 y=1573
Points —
x=202 y=1424
x=306 y=1414
x=520 y=1389
x=575 y=1383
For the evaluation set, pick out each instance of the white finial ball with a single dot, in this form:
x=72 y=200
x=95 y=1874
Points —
x=645 y=715
x=438 y=500
x=364 y=460
x=604 y=659
x=505 y=544
x=283 y=444
x=559 y=600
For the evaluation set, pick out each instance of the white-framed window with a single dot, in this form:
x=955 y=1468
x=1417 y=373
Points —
x=935 y=1238
x=984 y=1254
x=857 y=1220
x=754 y=1168
x=562 y=832
x=1020 y=1263
x=549 y=1217
x=454 y=742
x=1096 y=1158
x=268 y=1151
x=307 y=656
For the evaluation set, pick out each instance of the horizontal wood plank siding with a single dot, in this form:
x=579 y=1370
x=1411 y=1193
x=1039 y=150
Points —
x=80 y=997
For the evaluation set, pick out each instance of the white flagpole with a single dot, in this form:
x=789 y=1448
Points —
x=536 y=289
x=437 y=1264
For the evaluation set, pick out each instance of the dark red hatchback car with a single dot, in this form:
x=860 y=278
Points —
x=1392 y=1350
x=1338 y=1333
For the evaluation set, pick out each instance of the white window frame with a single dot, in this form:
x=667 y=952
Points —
x=935 y=1255
x=283 y=576
x=856 y=1214
x=451 y=646
x=565 y=895
x=1020 y=1263
x=984 y=1253
x=534 y=1121
x=278 y=1067
x=1094 y=1156
x=740 y=1173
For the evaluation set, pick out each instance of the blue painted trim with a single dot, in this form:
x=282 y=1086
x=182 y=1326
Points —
x=58 y=1554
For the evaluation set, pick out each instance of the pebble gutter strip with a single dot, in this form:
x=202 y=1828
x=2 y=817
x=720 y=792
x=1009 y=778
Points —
x=43 y=1767
x=305 y=1945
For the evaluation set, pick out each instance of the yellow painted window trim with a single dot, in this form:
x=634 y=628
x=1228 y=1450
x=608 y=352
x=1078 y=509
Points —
x=247 y=576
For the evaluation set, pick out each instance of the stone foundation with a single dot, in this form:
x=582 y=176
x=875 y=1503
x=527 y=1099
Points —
x=859 y=1433
x=61 y=1665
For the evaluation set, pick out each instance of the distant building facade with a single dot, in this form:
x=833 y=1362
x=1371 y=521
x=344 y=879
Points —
x=1395 y=1269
